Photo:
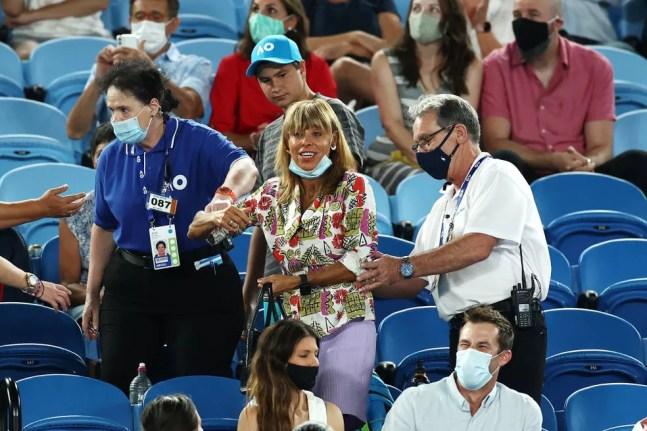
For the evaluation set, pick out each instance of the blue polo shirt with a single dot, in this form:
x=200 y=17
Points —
x=199 y=159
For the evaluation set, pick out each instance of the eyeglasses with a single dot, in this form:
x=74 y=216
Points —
x=425 y=140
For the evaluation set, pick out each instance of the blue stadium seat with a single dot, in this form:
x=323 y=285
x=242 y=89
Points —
x=605 y=406
x=560 y=292
x=413 y=199
x=394 y=246
x=212 y=49
x=632 y=19
x=64 y=402
x=18 y=150
x=223 y=10
x=629 y=97
x=630 y=131
x=242 y=11
x=11 y=77
x=49 y=258
x=116 y=15
x=193 y=26
x=32 y=181
x=549 y=420
x=64 y=91
x=18 y=117
x=617 y=270
x=380 y=402
x=582 y=209
x=218 y=399
x=383 y=207
x=239 y=253
x=587 y=347
x=59 y=57
x=628 y=427
x=627 y=66
x=369 y=117
x=402 y=7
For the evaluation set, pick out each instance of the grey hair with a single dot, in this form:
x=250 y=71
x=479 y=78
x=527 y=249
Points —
x=449 y=109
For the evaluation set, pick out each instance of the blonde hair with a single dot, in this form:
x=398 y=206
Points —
x=310 y=114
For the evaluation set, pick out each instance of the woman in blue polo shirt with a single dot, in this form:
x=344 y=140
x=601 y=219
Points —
x=159 y=172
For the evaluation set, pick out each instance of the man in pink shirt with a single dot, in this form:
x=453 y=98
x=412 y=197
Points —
x=547 y=104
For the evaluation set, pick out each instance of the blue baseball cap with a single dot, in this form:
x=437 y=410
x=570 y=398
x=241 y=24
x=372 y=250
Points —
x=274 y=49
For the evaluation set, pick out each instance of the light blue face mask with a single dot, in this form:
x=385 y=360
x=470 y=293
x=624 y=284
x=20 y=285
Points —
x=261 y=25
x=322 y=167
x=129 y=131
x=473 y=368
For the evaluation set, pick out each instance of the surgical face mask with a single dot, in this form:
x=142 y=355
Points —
x=303 y=377
x=532 y=36
x=262 y=25
x=129 y=131
x=473 y=368
x=435 y=162
x=152 y=33
x=324 y=164
x=424 y=28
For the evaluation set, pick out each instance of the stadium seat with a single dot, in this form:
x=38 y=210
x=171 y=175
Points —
x=394 y=246
x=18 y=150
x=369 y=117
x=210 y=48
x=218 y=399
x=49 y=259
x=10 y=417
x=629 y=97
x=64 y=91
x=630 y=131
x=22 y=116
x=617 y=270
x=402 y=7
x=627 y=65
x=582 y=209
x=587 y=347
x=193 y=26
x=632 y=19
x=59 y=57
x=32 y=181
x=413 y=199
x=242 y=11
x=560 y=292
x=239 y=253
x=64 y=402
x=549 y=420
x=14 y=249
x=604 y=406
x=223 y=10
x=11 y=77
x=406 y=336
x=383 y=207
x=380 y=402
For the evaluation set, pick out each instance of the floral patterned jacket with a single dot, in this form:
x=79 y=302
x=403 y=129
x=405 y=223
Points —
x=339 y=227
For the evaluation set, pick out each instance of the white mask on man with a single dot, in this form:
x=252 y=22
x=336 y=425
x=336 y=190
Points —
x=152 y=33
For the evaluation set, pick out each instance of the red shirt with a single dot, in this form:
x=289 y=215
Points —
x=548 y=118
x=238 y=103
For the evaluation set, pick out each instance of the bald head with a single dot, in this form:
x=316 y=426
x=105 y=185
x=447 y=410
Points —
x=539 y=10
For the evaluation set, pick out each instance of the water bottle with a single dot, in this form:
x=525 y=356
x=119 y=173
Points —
x=139 y=385
x=222 y=238
x=420 y=374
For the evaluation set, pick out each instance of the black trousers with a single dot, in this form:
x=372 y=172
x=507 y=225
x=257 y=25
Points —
x=630 y=165
x=525 y=371
x=197 y=314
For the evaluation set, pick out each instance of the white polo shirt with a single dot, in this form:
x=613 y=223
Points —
x=439 y=406
x=497 y=202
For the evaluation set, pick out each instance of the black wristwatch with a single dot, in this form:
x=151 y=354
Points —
x=406 y=268
x=34 y=285
x=305 y=288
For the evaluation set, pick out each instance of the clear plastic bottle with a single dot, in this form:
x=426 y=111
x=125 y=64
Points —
x=221 y=237
x=420 y=374
x=139 y=385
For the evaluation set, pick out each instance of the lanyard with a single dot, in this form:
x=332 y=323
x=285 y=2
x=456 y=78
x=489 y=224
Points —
x=459 y=199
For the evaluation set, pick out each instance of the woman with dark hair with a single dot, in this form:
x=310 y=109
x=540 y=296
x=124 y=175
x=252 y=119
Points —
x=283 y=371
x=318 y=219
x=434 y=56
x=150 y=182
x=240 y=109
x=171 y=413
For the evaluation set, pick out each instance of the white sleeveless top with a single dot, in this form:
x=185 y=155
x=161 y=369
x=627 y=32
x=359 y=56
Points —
x=316 y=408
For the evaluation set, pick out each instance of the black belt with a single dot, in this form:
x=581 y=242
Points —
x=146 y=261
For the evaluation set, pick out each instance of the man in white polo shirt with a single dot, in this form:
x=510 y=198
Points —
x=470 y=247
x=470 y=398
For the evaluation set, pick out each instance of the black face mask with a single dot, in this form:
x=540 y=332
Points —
x=532 y=37
x=435 y=162
x=303 y=377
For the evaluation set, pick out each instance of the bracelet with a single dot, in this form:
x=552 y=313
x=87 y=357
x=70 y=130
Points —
x=222 y=190
x=41 y=285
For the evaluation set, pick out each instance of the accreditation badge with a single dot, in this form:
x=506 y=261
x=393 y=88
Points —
x=164 y=247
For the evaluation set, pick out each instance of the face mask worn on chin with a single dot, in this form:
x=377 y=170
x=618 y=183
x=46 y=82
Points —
x=473 y=368
x=152 y=33
x=435 y=162
x=261 y=26
x=324 y=164
x=424 y=28
x=303 y=377
x=129 y=131
x=532 y=37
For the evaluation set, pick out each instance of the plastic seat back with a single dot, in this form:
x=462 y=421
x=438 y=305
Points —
x=193 y=26
x=382 y=203
x=223 y=10
x=394 y=246
x=414 y=197
x=627 y=65
x=609 y=262
x=64 y=91
x=380 y=402
x=210 y=48
x=369 y=117
x=629 y=97
x=11 y=65
x=435 y=361
x=18 y=118
x=63 y=402
x=560 y=293
x=17 y=150
x=630 y=131
x=239 y=253
x=605 y=406
x=549 y=420
x=19 y=361
x=49 y=261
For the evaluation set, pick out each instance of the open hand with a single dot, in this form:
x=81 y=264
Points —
x=55 y=205
x=280 y=283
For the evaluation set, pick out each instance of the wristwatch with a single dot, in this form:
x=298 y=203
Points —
x=34 y=285
x=406 y=268
x=486 y=27
x=305 y=288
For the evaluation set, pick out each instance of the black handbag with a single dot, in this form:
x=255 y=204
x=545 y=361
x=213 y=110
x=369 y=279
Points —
x=275 y=312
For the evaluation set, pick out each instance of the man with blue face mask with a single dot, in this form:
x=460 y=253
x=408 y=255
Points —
x=470 y=247
x=470 y=398
x=152 y=22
